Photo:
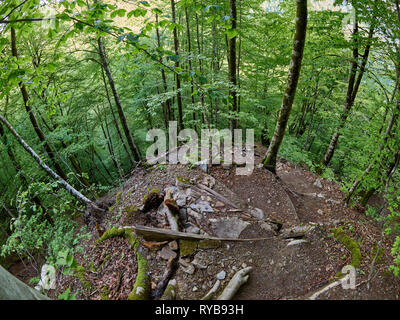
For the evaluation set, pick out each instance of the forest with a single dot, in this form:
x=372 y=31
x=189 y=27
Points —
x=83 y=81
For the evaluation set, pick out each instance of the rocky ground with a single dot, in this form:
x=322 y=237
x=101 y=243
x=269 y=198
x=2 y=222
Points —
x=308 y=234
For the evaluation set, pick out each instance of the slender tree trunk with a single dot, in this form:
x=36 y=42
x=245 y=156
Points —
x=168 y=115
x=190 y=59
x=291 y=86
x=115 y=119
x=177 y=66
x=352 y=90
x=32 y=117
x=199 y=51
x=232 y=65
x=134 y=150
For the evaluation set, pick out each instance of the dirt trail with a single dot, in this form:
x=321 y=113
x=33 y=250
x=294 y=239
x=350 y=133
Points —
x=270 y=206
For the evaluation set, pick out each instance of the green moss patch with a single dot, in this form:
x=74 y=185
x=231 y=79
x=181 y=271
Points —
x=79 y=272
x=189 y=247
x=351 y=245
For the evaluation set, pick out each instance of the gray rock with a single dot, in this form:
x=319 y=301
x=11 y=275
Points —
x=257 y=213
x=318 y=183
x=173 y=245
x=202 y=206
x=190 y=269
x=199 y=263
x=194 y=214
x=166 y=253
x=193 y=229
x=229 y=227
x=221 y=275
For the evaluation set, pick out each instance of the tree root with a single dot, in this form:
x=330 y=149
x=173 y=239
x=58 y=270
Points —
x=236 y=282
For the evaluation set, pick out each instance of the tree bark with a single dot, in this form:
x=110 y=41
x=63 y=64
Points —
x=177 y=66
x=352 y=90
x=269 y=161
x=232 y=65
x=32 y=117
x=128 y=136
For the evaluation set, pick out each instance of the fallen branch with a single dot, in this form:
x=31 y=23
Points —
x=324 y=289
x=217 y=195
x=210 y=295
x=172 y=211
x=158 y=234
x=161 y=288
x=236 y=282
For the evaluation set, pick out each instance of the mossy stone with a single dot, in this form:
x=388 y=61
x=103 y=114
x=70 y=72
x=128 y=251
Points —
x=187 y=247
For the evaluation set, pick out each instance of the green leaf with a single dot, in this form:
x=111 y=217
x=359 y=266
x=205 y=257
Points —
x=231 y=33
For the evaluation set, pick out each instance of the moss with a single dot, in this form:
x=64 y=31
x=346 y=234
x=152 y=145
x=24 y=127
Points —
x=130 y=211
x=187 y=247
x=350 y=244
x=170 y=291
x=209 y=244
x=105 y=260
x=80 y=274
x=110 y=233
x=91 y=266
x=374 y=251
x=155 y=190
x=183 y=180
x=105 y=293
x=141 y=289
x=118 y=198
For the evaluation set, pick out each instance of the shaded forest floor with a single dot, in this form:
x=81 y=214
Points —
x=283 y=267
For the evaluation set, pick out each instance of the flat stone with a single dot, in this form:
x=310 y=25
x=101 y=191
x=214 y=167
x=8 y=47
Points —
x=221 y=275
x=257 y=213
x=193 y=229
x=189 y=270
x=166 y=253
x=202 y=206
x=219 y=204
x=173 y=245
x=193 y=214
x=229 y=227
x=199 y=263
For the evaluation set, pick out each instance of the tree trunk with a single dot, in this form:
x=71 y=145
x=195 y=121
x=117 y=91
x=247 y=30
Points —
x=114 y=118
x=352 y=90
x=269 y=161
x=177 y=66
x=232 y=65
x=32 y=117
x=128 y=136
x=168 y=115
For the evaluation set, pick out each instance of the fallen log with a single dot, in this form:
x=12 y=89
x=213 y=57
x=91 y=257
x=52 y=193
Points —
x=158 y=234
x=160 y=290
